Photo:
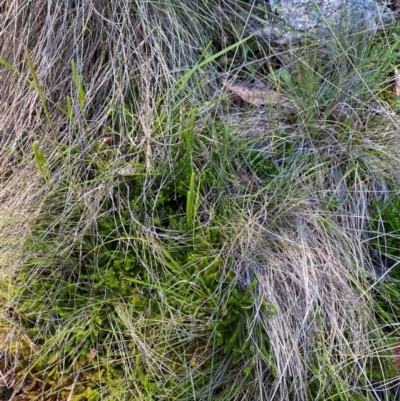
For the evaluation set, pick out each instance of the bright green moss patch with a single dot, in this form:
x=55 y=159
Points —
x=151 y=273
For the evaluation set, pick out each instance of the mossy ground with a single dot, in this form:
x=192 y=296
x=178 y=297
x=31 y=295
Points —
x=160 y=240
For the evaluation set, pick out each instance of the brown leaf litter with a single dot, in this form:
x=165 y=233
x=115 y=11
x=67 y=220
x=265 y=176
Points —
x=255 y=95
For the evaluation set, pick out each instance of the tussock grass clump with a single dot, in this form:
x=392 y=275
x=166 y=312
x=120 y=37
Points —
x=161 y=241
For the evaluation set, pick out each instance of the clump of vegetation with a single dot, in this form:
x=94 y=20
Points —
x=158 y=243
x=385 y=224
x=171 y=266
x=386 y=221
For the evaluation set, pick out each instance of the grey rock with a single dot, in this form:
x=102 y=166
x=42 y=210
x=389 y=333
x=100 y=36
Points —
x=292 y=19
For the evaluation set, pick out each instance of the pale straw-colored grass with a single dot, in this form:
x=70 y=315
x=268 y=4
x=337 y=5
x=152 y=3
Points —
x=295 y=237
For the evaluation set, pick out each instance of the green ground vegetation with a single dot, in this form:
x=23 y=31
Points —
x=162 y=239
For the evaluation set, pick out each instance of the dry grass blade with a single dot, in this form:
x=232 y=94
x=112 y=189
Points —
x=396 y=87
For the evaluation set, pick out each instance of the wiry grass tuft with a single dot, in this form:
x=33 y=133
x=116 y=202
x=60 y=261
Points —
x=162 y=239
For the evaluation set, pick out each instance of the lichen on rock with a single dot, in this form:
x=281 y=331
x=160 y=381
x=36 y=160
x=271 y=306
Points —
x=291 y=19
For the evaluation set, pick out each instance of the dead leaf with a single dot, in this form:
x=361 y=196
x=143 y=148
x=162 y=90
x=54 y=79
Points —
x=92 y=353
x=396 y=86
x=257 y=96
